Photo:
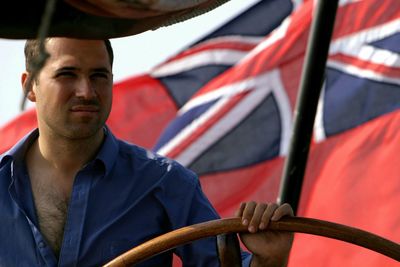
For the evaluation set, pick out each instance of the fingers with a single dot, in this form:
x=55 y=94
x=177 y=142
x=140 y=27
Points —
x=283 y=210
x=256 y=222
x=269 y=212
x=239 y=212
x=258 y=215
x=248 y=213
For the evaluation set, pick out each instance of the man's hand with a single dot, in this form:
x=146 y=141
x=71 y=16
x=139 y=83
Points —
x=269 y=248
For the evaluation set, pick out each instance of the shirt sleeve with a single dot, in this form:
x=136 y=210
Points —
x=186 y=204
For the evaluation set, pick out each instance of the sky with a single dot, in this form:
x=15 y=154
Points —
x=133 y=55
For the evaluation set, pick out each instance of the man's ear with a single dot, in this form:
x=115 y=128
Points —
x=28 y=89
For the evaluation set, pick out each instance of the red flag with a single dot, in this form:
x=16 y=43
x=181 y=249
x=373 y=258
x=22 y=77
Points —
x=234 y=131
x=352 y=178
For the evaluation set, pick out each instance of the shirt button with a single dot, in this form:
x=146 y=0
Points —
x=42 y=244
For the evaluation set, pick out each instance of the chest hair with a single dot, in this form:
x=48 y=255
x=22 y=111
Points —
x=51 y=209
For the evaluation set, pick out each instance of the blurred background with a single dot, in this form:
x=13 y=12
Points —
x=133 y=54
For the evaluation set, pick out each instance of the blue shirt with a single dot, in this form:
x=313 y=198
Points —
x=124 y=197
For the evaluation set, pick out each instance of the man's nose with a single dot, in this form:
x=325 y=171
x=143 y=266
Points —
x=85 y=89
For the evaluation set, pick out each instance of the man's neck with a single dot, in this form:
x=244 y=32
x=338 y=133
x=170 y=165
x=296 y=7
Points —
x=66 y=155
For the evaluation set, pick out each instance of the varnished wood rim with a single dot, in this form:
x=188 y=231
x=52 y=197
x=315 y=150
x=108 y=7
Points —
x=293 y=224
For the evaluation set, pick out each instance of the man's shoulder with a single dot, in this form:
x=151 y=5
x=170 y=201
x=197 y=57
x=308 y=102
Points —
x=19 y=149
x=143 y=156
x=136 y=152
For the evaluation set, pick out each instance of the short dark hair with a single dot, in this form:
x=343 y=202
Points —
x=32 y=50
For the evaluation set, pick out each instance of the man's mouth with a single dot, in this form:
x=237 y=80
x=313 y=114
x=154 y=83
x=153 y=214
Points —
x=85 y=108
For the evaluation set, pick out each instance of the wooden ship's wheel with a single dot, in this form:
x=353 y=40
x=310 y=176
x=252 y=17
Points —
x=228 y=248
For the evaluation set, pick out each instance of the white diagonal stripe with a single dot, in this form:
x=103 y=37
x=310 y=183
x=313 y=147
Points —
x=204 y=58
x=225 y=91
x=190 y=128
x=374 y=55
x=362 y=73
x=353 y=42
x=285 y=109
x=210 y=56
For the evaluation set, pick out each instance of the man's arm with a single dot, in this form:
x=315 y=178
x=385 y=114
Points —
x=269 y=248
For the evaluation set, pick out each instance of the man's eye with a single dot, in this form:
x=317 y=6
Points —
x=99 y=75
x=65 y=74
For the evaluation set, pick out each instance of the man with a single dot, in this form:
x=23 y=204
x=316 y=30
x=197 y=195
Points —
x=74 y=195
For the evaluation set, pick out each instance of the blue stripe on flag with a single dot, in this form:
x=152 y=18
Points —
x=259 y=20
x=255 y=139
x=350 y=101
x=391 y=43
x=184 y=85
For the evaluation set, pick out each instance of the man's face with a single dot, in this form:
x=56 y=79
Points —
x=73 y=92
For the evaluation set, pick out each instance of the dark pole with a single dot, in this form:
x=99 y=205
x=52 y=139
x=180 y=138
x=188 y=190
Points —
x=307 y=101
